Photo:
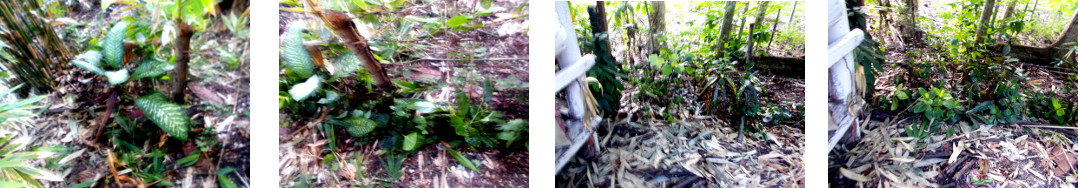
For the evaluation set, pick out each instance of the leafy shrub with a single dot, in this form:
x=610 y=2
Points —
x=401 y=123
x=165 y=114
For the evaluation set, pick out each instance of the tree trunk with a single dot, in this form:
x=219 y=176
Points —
x=345 y=30
x=791 y=23
x=909 y=23
x=727 y=24
x=741 y=26
x=982 y=26
x=1048 y=54
x=598 y=18
x=1070 y=32
x=181 y=48
x=1010 y=10
x=657 y=20
x=760 y=13
x=775 y=26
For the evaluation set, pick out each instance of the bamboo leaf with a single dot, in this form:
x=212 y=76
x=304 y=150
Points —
x=462 y=160
x=170 y=117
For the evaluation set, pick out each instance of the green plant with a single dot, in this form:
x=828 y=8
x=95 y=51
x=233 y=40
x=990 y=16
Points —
x=340 y=86
x=17 y=167
x=30 y=50
x=109 y=62
x=735 y=93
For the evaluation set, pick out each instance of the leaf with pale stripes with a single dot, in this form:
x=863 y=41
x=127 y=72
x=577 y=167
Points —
x=113 y=44
x=360 y=126
x=151 y=68
x=347 y=64
x=167 y=115
x=295 y=54
x=89 y=60
x=117 y=77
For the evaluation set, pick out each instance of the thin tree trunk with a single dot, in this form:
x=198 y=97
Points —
x=181 y=48
x=345 y=30
x=727 y=24
x=909 y=25
x=741 y=27
x=774 y=27
x=657 y=19
x=982 y=26
x=598 y=20
x=760 y=13
x=1034 y=9
x=791 y=22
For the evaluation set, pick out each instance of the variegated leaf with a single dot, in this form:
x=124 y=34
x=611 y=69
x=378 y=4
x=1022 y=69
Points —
x=117 y=77
x=151 y=67
x=169 y=116
x=346 y=64
x=113 y=44
x=295 y=54
x=360 y=126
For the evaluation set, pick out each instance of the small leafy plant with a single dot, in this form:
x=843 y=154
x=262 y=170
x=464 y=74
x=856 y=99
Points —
x=110 y=61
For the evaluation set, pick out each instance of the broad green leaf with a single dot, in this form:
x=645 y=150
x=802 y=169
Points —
x=88 y=66
x=347 y=64
x=113 y=44
x=424 y=107
x=93 y=57
x=295 y=54
x=902 y=95
x=167 y=115
x=360 y=126
x=667 y=69
x=457 y=21
x=411 y=142
x=331 y=96
x=462 y=160
x=151 y=68
x=117 y=77
x=303 y=90
x=656 y=60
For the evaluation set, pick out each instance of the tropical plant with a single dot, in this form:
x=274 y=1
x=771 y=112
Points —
x=110 y=62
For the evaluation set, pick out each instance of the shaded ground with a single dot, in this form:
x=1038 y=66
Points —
x=432 y=61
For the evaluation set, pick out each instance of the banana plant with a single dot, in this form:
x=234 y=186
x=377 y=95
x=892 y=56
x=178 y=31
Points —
x=110 y=62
